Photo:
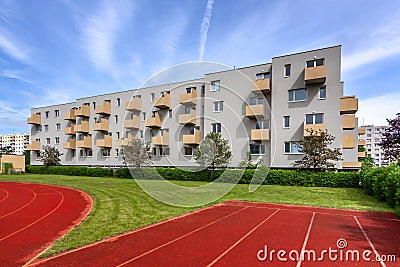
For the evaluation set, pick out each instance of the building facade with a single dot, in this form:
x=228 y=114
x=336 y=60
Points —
x=264 y=109
x=371 y=137
x=17 y=142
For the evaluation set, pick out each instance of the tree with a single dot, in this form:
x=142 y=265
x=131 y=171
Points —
x=391 y=139
x=27 y=154
x=214 y=151
x=136 y=153
x=7 y=150
x=318 y=154
x=50 y=156
x=248 y=163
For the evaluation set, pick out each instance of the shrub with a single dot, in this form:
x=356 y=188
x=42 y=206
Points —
x=391 y=186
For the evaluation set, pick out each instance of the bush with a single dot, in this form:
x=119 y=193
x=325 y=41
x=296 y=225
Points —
x=71 y=170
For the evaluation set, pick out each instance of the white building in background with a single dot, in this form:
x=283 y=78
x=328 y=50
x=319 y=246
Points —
x=17 y=142
x=372 y=135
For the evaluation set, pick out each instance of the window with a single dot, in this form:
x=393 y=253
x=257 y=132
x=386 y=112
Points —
x=264 y=124
x=188 y=110
x=315 y=63
x=56 y=113
x=322 y=93
x=105 y=152
x=215 y=86
x=368 y=145
x=286 y=69
x=116 y=152
x=141 y=133
x=117 y=134
x=298 y=95
x=81 y=153
x=218 y=106
x=152 y=133
x=94 y=105
x=216 y=127
x=292 y=148
x=47 y=141
x=39 y=128
x=118 y=102
x=47 y=114
x=256 y=101
x=57 y=140
x=164 y=151
x=152 y=97
x=189 y=151
x=377 y=129
x=368 y=135
x=72 y=153
x=143 y=116
x=203 y=90
x=88 y=153
x=286 y=121
x=116 y=119
x=368 y=130
x=46 y=128
x=170 y=113
x=377 y=139
x=58 y=126
x=154 y=151
x=256 y=149
x=263 y=75
x=315 y=118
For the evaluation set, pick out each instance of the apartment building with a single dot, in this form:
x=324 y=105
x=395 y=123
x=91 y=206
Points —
x=371 y=137
x=17 y=142
x=263 y=109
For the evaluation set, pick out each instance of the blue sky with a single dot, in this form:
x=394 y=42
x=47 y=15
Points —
x=58 y=50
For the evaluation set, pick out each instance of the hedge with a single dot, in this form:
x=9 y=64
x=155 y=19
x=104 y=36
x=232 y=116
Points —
x=271 y=177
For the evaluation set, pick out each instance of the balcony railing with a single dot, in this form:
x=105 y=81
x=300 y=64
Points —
x=70 y=130
x=106 y=142
x=83 y=111
x=105 y=109
x=188 y=118
x=35 y=146
x=348 y=105
x=85 y=143
x=192 y=139
x=71 y=144
x=83 y=127
x=361 y=142
x=361 y=131
x=154 y=122
x=135 y=104
x=315 y=75
x=261 y=86
x=349 y=121
x=361 y=154
x=124 y=141
x=346 y=164
x=189 y=98
x=133 y=123
x=161 y=140
x=101 y=126
x=34 y=119
x=163 y=102
x=259 y=135
x=70 y=115
x=315 y=128
x=255 y=111
x=348 y=141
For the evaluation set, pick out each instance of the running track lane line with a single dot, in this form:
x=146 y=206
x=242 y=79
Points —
x=7 y=194
x=241 y=239
x=29 y=225
x=181 y=237
x=20 y=208
x=369 y=241
x=305 y=241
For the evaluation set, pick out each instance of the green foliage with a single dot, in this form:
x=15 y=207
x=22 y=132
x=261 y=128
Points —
x=7 y=166
x=214 y=151
x=8 y=150
x=27 y=158
x=248 y=163
x=50 y=156
x=367 y=163
x=71 y=170
x=136 y=153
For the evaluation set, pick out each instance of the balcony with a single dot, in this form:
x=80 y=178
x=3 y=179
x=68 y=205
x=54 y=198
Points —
x=106 y=142
x=101 y=126
x=83 y=111
x=192 y=139
x=348 y=105
x=259 y=135
x=361 y=142
x=70 y=130
x=188 y=118
x=34 y=119
x=255 y=111
x=161 y=140
x=125 y=141
x=133 y=123
x=315 y=75
x=349 y=121
x=261 y=86
x=35 y=146
x=71 y=144
x=348 y=141
x=85 y=143
x=361 y=131
x=361 y=154
x=135 y=104
x=163 y=102
x=70 y=115
x=316 y=128
x=154 y=122
x=346 y=164
x=105 y=109
x=83 y=127
x=188 y=99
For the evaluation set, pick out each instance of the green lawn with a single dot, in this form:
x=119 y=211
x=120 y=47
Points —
x=120 y=205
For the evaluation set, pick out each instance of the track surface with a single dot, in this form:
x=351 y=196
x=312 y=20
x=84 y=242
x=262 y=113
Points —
x=33 y=216
x=236 y=233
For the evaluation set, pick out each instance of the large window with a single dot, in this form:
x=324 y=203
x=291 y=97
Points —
x=286 y=70
x=257 y=149
x=88 y=153
x=218 y=106
x=292 y=148
x=315 y=63
x=105 y=152
x=216 y=127
x=215 y=86
x=315 y=118
x=286 y=121
x=298 y=95
x=189 y=151
x=263 y=75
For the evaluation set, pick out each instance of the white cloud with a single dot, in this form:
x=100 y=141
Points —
x=377 y=109
x=13 y=48
x=204 y=28
x=15 y=75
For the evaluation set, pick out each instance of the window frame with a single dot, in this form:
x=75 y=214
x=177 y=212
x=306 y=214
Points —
x=288 y=121
x=215 y=86
x=314 y=118
x=219 y=105
x=294 y=95
x=287 y=68
x=216 y=128
x=290 y=148
x=261 y=148
x=322 y=88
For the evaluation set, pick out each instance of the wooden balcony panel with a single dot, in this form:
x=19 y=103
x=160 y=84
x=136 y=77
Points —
x=261 y=86
x=192 y=139
x=35 y=119
x=255 y=111
x=259 y=135
x=315 y=75
x=317 y=128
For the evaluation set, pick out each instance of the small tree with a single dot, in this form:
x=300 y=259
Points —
x=50 y=156
x=248 y=163
x=214 y=151
x=136 y=153
x=391 y=139
x=7 y=150
x=317 y=153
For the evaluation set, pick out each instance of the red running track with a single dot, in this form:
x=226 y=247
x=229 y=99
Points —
x=237 y=233
x=33 y=216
